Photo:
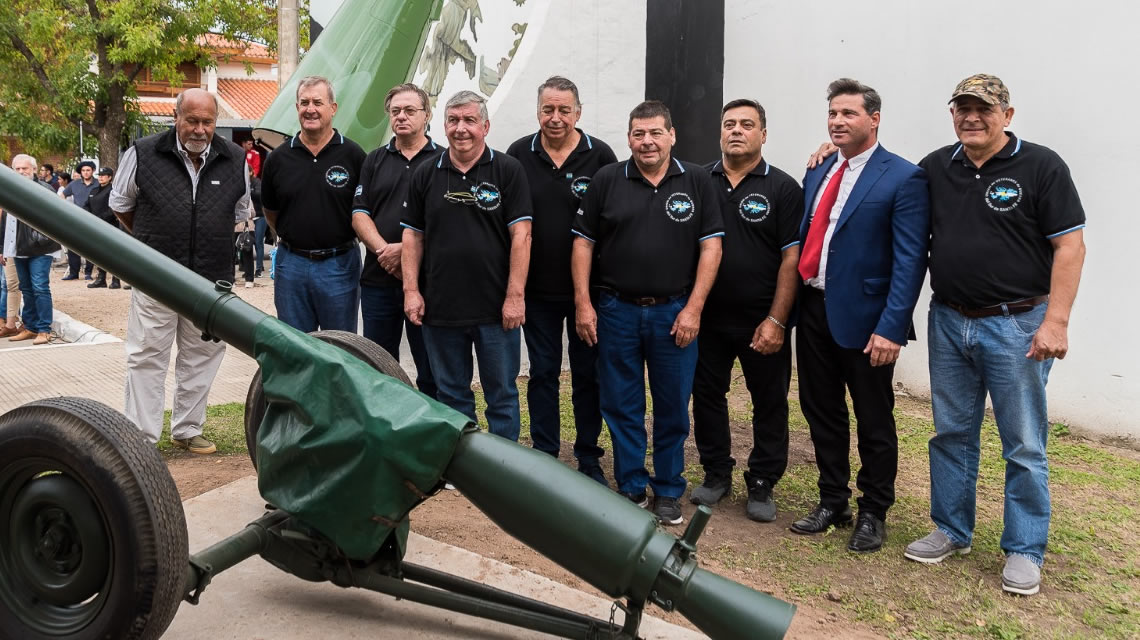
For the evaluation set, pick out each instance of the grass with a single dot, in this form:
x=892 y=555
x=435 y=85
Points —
x=1091 y=585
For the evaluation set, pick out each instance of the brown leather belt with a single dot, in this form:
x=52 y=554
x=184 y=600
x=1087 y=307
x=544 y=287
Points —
x=1004 y=309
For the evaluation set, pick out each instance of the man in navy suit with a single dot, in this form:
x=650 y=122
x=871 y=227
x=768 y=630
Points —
x=865 y=236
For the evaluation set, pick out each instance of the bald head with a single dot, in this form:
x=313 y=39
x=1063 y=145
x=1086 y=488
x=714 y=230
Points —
x=195 y=116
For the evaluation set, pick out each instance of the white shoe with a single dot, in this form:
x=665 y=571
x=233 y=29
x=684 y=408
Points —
x=249 y=285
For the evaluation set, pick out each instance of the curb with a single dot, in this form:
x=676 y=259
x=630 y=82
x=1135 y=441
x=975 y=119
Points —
x=75 y=332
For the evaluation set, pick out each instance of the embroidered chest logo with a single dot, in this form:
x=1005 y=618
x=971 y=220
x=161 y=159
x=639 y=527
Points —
x=336 y=176
x=755 y=207
x=680 y=207
x=579 y=185
x=487 y=196
x=1003 y=194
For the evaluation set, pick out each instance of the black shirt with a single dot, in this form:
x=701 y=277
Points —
x=556 y=194
x=467 y=246
x=99 y=203
x=312 y=195
x=381 y=194
x=647 y=239
x=761 y=218
x=991 y=227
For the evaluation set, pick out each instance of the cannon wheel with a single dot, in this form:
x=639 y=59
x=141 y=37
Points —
x=92 y=533
x=360 y=347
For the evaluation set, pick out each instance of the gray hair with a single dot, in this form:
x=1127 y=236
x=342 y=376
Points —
x=178 y=103
x=872 y=103
x=312 y=81
x=558 y=83
x=465 y=98
x=23 y=157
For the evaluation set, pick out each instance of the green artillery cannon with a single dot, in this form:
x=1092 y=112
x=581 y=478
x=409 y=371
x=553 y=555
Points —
x=93 y=541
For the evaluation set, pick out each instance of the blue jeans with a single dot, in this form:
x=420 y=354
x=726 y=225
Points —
x=449 y=351
x=259 y=226
x=631 y=338
x=34 y=275
x=543 y=333
x=317 y=294
x=968 y=357
x=382 y=309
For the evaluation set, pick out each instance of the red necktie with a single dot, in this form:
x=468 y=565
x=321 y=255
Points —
x=813 y=245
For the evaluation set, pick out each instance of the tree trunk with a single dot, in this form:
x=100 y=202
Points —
x=115 y=120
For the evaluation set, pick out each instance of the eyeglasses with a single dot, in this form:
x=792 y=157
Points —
x=407 y=111
x=460 y=197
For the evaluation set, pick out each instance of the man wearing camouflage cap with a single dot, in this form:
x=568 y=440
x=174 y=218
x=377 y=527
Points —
x=1005 y=260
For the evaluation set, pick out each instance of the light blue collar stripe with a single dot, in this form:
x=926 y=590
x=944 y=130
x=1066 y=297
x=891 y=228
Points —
x=1061 y=233
x=1016 y=148
x=582 y=235
x=956 y=150
x=589 y=142
x=626 y=172
x=492 y=152
x=716 y=165
x=534 y=141
x=767 y=167
x=341 y=137
x=679 y=165
x=439 y=165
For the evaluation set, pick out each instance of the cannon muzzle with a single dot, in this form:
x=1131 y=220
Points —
x=607 y=540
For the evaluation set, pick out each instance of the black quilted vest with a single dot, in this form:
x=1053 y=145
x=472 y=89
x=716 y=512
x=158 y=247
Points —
x=198 y=233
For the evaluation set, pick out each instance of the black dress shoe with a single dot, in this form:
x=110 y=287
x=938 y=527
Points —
x=869 y=534
x=820 y=519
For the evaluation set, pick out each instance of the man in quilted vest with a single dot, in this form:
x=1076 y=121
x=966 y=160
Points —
x=179 y=192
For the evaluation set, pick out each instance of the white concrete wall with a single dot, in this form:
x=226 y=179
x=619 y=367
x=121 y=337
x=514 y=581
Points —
x=1071 y=75
x=598 y=45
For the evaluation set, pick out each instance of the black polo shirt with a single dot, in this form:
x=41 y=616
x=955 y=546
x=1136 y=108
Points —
x=761 y=218
x=381 y=194
x=312 y=195
x=556 y=193
x=467 y=247
x=647 y=239
x=991 y=227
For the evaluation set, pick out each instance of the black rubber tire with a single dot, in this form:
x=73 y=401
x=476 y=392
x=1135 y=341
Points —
x=97 y=454
x=360 y=347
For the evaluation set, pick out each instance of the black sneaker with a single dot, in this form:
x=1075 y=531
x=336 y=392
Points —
x=594 y=471
x=760 y=506
x=715 y=487
x=667 y=510
x=638 y=499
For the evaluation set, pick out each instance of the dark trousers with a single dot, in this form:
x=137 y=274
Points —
x=826 y=370
x=382 y=312
x=767 y=377
x=543 y=333
x=74 y=261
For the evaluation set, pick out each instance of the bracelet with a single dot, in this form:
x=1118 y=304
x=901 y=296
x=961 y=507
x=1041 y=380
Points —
x=778 y=323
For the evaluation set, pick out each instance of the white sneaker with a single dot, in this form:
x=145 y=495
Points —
x=249 y=285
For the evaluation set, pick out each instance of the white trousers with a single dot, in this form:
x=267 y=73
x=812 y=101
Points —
x=151 y=331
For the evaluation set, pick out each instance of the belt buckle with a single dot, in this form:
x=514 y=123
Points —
x=645 y=301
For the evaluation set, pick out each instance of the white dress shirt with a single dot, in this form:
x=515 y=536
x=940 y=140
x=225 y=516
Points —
x=854 y=168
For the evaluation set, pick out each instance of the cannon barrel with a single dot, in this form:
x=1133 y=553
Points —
x=367 y=48
x=211 y=307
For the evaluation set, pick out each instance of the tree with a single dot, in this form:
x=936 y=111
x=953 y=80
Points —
x=66 y=62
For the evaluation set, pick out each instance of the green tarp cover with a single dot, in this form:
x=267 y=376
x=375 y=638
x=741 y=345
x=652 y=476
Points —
x=339 y=440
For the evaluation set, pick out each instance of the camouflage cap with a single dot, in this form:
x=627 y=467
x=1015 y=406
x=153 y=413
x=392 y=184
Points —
x=987 y=88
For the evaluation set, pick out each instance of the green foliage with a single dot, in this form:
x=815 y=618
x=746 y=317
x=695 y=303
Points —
x=70 y=61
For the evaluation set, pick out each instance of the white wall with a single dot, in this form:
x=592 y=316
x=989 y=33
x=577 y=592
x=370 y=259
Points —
x=598 y=45
x=1072 y=80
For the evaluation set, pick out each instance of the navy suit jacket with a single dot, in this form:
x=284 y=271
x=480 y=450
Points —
x=876 y=262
